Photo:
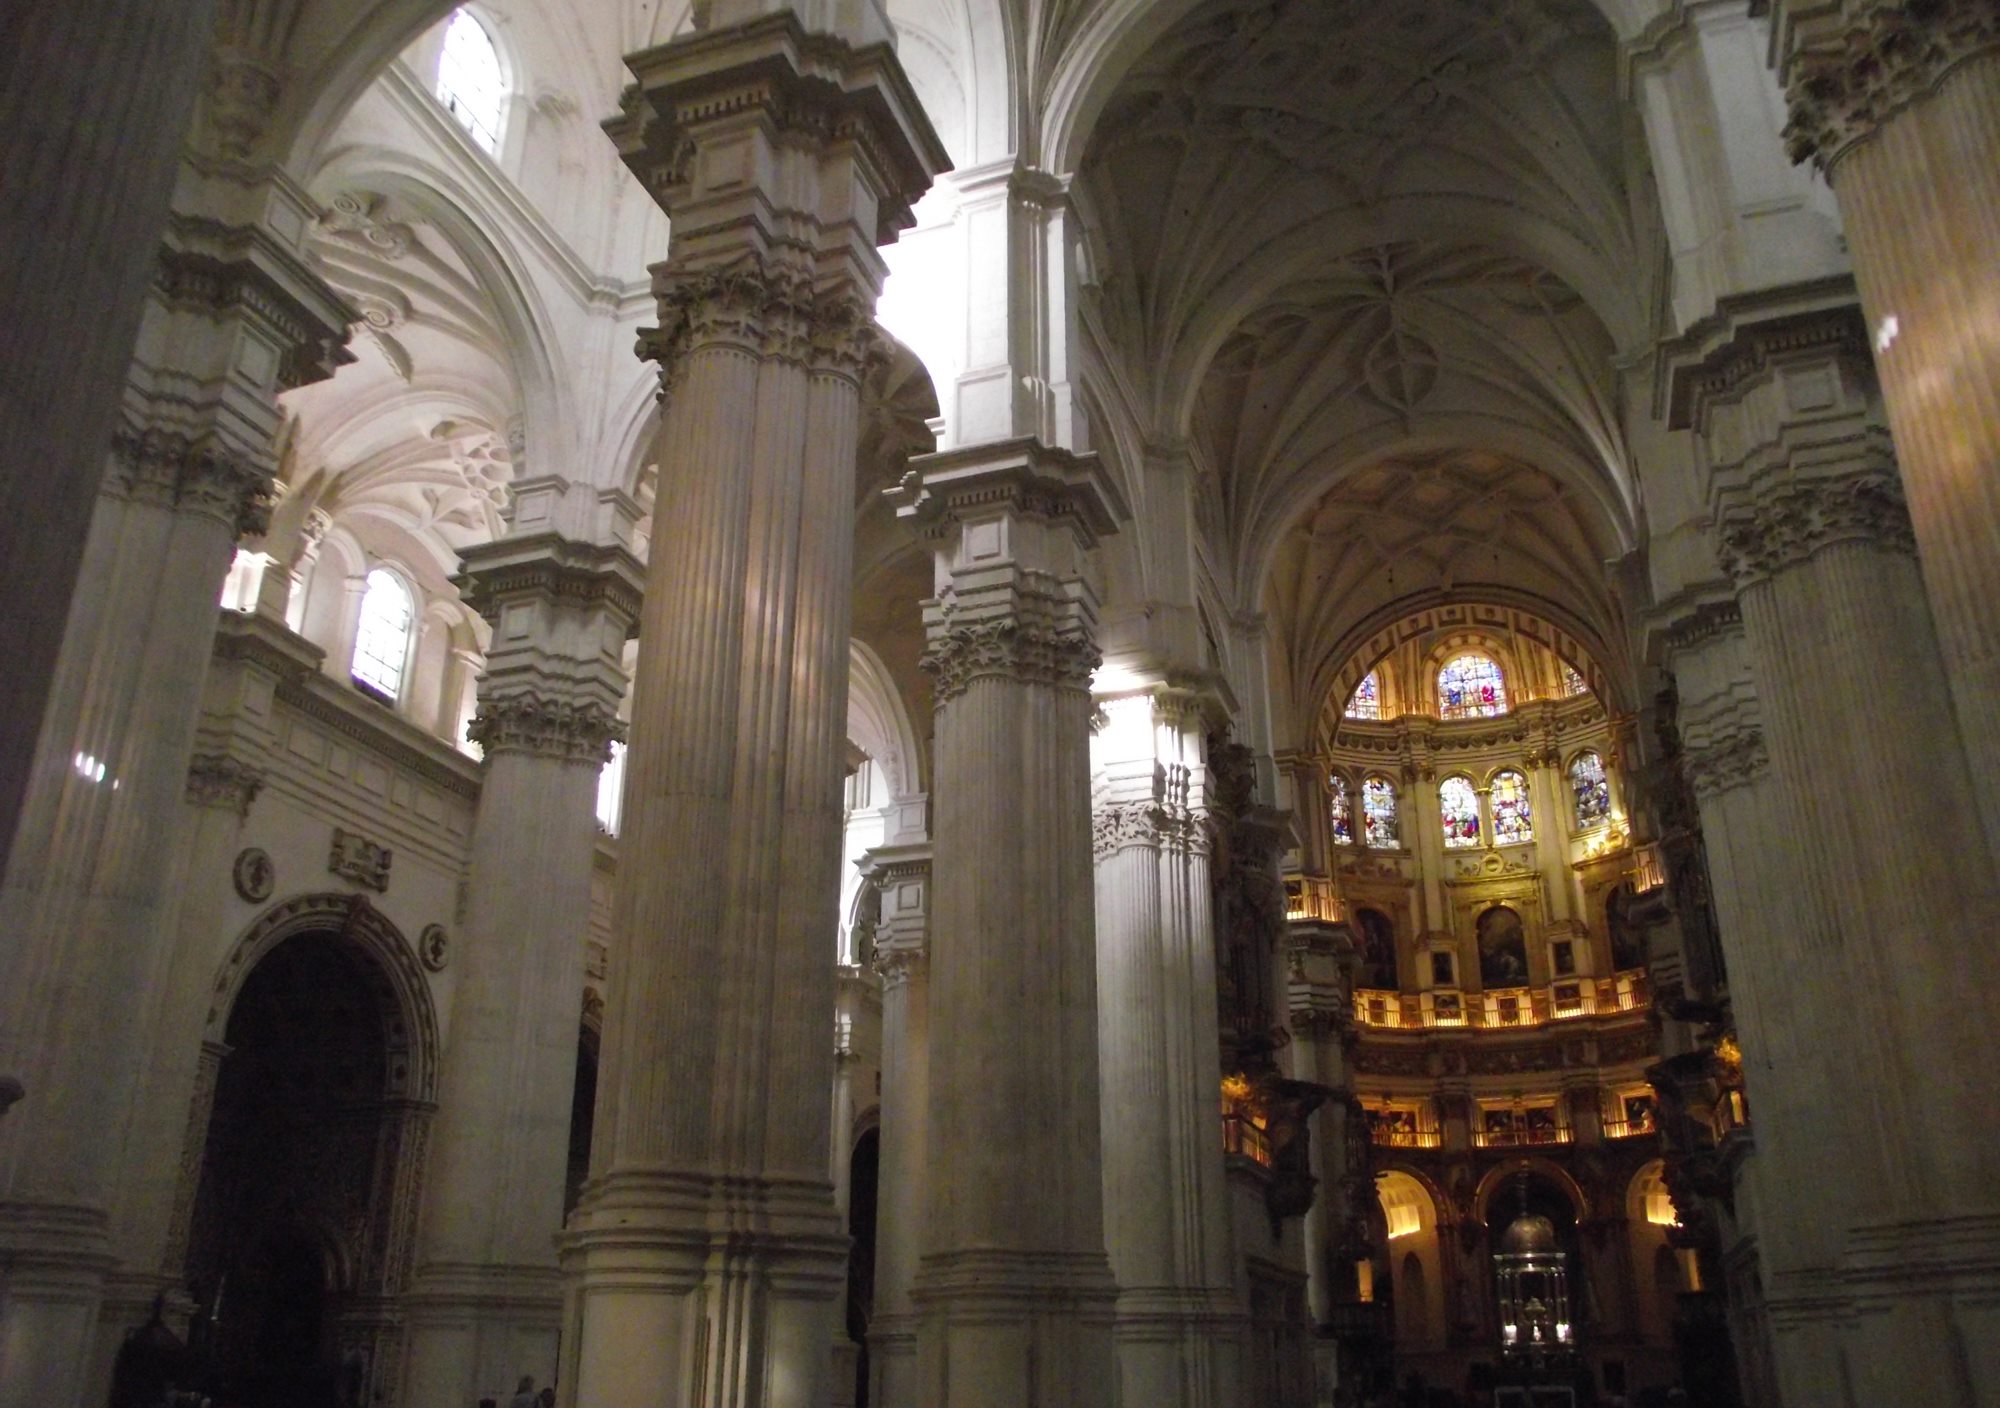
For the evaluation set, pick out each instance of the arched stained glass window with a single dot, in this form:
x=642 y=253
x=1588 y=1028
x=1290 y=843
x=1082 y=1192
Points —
x=1470 y=687
x=1378 y=813
x=1460 y=805
x=382 y=639
x=1513 y=822
x=469 y=81
x=1590 y=789
x=1366 y=702
x=1573 y=682
x=1342 y=809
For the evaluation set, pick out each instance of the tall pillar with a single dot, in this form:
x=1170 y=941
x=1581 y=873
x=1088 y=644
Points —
x=86 y=200
x=1882 y=829
x=1783 y=989
x=706 y=1253
x=486 y=1303
x=902 y=875
x=1015 y=1292
x=1166 y=1210
x=1898 y=101
x=233 y=317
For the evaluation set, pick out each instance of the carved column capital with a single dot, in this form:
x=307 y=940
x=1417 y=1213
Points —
x=218 y=780
x=1847 y=80
x=1783 y=527
x=578 y=732
x=1045 y=652
x=1726 y=760
x=172 y=470
x=1161 y=825
x=897 y=963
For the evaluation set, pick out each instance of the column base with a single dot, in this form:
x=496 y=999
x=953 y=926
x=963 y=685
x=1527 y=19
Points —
x=1010 y=1329
x=54 y=1261
x=1180 y=1348
x=472 y=1331
x=892 y=1362
x=701 y=1291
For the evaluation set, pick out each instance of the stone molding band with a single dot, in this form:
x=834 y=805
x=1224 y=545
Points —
x=172 y=470
x=765 y=309
x=1843 y=90
x=1783 y=529
x=569 y=732
x=1055 y=653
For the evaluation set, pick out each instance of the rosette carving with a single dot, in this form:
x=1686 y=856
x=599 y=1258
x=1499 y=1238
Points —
x=546 y=728
x=1843 y=89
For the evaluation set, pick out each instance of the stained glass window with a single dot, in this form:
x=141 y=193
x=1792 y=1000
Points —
x=1343 y=810
x=1378 y=812
x=1460 y=804
x=1470 y=687
x=382 y=639
x=1513 y=822
x=1590 y=789
x=469 y=81
x=1573 y=683
x=1366 y=702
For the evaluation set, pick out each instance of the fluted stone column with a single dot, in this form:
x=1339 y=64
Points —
x=1884 y=833
x=902 y=874
x=707 y=1253
x=1784 y=993
x=233 y=317
x=486 y=1304
x=1015 y=1293
x=1899 y=102
x=1166 y=1210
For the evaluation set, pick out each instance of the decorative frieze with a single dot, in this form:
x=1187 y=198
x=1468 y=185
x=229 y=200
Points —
x=1784 y=527
x=1890 y=53
x=172 y=470
x=581 y=732
x=355 y=857
x=218 y=780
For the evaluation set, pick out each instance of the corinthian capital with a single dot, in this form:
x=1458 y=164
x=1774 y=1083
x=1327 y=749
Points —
x=760 y=307
x=1845 y=80
x=549 y=729
x=1044 y=652
x=1781 y=529
x=176 y=471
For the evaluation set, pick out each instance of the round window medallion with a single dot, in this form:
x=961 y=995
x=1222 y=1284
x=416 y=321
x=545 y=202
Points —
x=433 y=947
x=254 y=875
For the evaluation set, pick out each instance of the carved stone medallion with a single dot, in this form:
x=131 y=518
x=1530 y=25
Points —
x=434 y=947
x=254 y=874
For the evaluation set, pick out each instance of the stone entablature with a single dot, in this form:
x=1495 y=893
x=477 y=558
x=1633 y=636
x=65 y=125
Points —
x=1526 y=729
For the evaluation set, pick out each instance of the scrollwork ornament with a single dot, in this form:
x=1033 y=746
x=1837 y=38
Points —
x=1843 y=90
x=546 y=728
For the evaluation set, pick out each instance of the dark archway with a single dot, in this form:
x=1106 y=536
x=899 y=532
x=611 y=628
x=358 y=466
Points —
x=864 y=1177
x=582 y=1118
x=293 y=1179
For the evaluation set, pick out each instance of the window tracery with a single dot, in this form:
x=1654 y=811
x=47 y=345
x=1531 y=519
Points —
x=1366 y=701
x=1459 y=803
x=470 y=83
x=1341 y=807
x=1378 y=813
x=1590 y=790
x=1513 y=817
x=1471 y=687
x=382 y=638
x=1573 y=683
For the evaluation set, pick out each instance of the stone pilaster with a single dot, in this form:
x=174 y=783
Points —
x=1166 y=1214
x=708 y=1252
x=1875 y=824
x=1899 y=102
x=486 y=1303
x=233 y=316
x=902 y=874
x=1015 y=1293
